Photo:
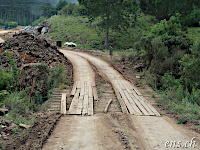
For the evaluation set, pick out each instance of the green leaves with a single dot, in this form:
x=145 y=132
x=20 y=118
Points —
x=114 y=14
x=164 y=9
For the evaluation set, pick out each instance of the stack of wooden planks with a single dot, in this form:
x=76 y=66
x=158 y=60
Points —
x=131 y=100
x=84 y=93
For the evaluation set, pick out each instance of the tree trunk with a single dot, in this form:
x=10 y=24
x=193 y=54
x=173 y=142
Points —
x=135 y=15
x=107 y=32
x=106 y=40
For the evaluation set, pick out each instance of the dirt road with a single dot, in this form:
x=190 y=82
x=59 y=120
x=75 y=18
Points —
x=118 y=130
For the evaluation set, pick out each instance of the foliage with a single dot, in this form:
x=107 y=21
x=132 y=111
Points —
x=12 y=24
x=58 y=76
x=163 y=9
x=3 y=94
x=72 y=9
x=163 y=48
x=26 y=92
x=113 y=14
x=36 y=22
x=61 y=4
x=192 y=19
x=180 y=102
x=5 y=79
x=24 y=12
x=190 y=67
x=80 y=30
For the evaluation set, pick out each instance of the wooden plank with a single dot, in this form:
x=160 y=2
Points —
x=147 y=110
x=137 y=102
x=127 y=92
x=107 y=106
x=126 y=101
x=90 y=91
x=151 y=107
x=140 y=106
x=82 y=92
x=133 y=104
x=122 y=104
x=120 y=82
x=133 y=87
x=85 y=105
x=80 y=105
x=86 y=91
x=78 y=84
x=91 y=103
x=127 y=86
x=74 y=104
x=63 y=104
x=147 y=106
x=94 y=91
x=141 y=102
x=90 y=107
x=73 y=89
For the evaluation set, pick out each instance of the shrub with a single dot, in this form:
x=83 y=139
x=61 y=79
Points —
x=58 y=76
x=5 y=79
x=12 y=24
x=72 y=9
x=163 y=48
x=190 y=67
x=36 y=22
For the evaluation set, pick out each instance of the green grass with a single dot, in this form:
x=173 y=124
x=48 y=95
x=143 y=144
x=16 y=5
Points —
x=88 y=35
x=74 y=29
x=185 y=110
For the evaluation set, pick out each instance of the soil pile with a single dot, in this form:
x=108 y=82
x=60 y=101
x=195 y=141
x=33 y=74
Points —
x=24 y=48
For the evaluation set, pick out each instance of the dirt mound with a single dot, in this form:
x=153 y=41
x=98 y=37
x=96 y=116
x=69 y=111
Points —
x=24 y=48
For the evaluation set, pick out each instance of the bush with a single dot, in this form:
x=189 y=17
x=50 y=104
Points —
x=190 y=67
x=5 y=79
x=72 y=9
x=58 y=76
x=36 y=22
x=12 y=24
x=192 y=20
x=163 y=48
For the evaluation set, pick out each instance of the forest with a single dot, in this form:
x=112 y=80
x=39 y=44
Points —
x=24 y=12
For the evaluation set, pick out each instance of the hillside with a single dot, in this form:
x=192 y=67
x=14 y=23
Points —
x=88 y=35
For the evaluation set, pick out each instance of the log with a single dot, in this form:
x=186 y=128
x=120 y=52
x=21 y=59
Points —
x=63 y=104
x=107 y=106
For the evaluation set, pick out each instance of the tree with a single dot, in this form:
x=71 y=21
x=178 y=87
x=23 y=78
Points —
x=164 y=9
x=61 y=4
x=114 y=14
x=71 y=9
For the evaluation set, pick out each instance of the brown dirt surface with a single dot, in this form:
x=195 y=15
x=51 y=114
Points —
x=101 y=131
